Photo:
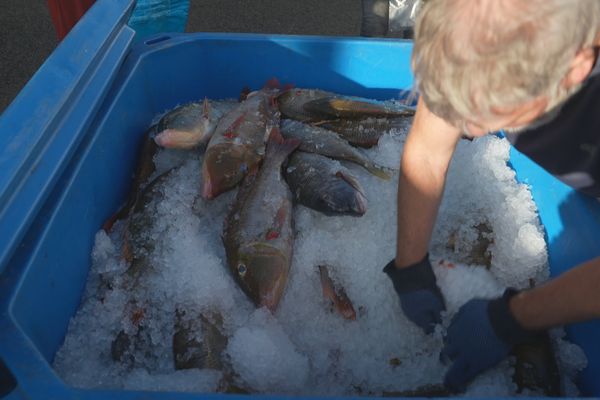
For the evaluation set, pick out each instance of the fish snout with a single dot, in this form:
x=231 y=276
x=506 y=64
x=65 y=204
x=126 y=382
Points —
x=266 y=279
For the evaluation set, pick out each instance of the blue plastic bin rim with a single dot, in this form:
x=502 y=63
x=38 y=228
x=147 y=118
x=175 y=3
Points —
x=50 y=108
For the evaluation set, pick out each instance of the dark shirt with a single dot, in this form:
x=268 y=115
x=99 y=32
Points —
x=568 y=145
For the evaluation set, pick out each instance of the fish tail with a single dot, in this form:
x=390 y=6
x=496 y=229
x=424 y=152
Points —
x=378 y=171
x=279 y=148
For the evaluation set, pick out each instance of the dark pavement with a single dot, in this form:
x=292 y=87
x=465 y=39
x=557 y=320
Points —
x=27 y=36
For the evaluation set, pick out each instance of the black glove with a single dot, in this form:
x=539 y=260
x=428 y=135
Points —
x=420 y=297
x=481 y=335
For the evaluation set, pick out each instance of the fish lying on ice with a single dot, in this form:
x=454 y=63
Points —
x=327 y=143
x=145 y=168
x=258 y=235
x=238 y=143
x=336 y=294
x=313 y=105
x=187 y=126
x=323 y=185
x=205 y=350
x=364 y=132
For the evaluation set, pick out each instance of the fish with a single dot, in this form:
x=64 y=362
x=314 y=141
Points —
x=258 y=230
x=336 y=294
x=238 y=143
x=138 y=248
x=323 y=185
x=327 y=143
x=536 y=368
x=364 y=132
x=126 y=344
x=145 y=168
x=187 y=126
x=137 y=244
x=478 y=250
x=203 y=350
x=313 y=105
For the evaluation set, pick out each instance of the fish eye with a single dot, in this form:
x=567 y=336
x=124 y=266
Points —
x=241 y=269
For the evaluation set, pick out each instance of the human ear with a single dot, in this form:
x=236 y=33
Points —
x=580 y=68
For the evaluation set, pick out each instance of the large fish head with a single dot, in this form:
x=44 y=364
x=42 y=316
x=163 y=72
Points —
x=225 y=166
x=262 y=271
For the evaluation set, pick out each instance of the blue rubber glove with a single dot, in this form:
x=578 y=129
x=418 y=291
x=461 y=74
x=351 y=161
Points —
x=420 y=297
x=481 y=335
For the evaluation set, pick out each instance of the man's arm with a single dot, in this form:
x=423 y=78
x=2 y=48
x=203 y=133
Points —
x=427 y=153
x=482 y=332
x=574 y=296
x=425 y=159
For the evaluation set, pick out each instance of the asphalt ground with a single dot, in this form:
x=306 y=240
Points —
x=27 y=36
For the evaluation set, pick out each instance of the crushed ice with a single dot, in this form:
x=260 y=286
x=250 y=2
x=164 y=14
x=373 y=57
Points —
x=487 y=237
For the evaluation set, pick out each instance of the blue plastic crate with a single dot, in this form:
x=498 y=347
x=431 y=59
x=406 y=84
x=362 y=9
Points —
x=69 y=144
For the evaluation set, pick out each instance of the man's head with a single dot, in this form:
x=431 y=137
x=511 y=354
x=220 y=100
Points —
x=484 y=65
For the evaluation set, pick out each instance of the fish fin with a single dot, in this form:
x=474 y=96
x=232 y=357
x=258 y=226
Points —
x=336 y=107
x=206 y=108
x=288 y=87
x=244 y=93
x=337 y=296
x=126 y=250
x=378 y=171
x=119 y=215
x=272 y=83
x=326 y=283
x=351 y=180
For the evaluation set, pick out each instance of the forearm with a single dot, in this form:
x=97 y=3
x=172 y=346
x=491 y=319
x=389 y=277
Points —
x=572 y=297
x=427 y=154
x=419 y=197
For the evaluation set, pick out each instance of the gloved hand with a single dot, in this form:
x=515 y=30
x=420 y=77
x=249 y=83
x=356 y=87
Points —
x=420 y=298
x=481 y=335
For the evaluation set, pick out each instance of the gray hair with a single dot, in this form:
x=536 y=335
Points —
x=472 y=57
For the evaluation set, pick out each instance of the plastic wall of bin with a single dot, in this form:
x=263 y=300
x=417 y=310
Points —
x=68 y=147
